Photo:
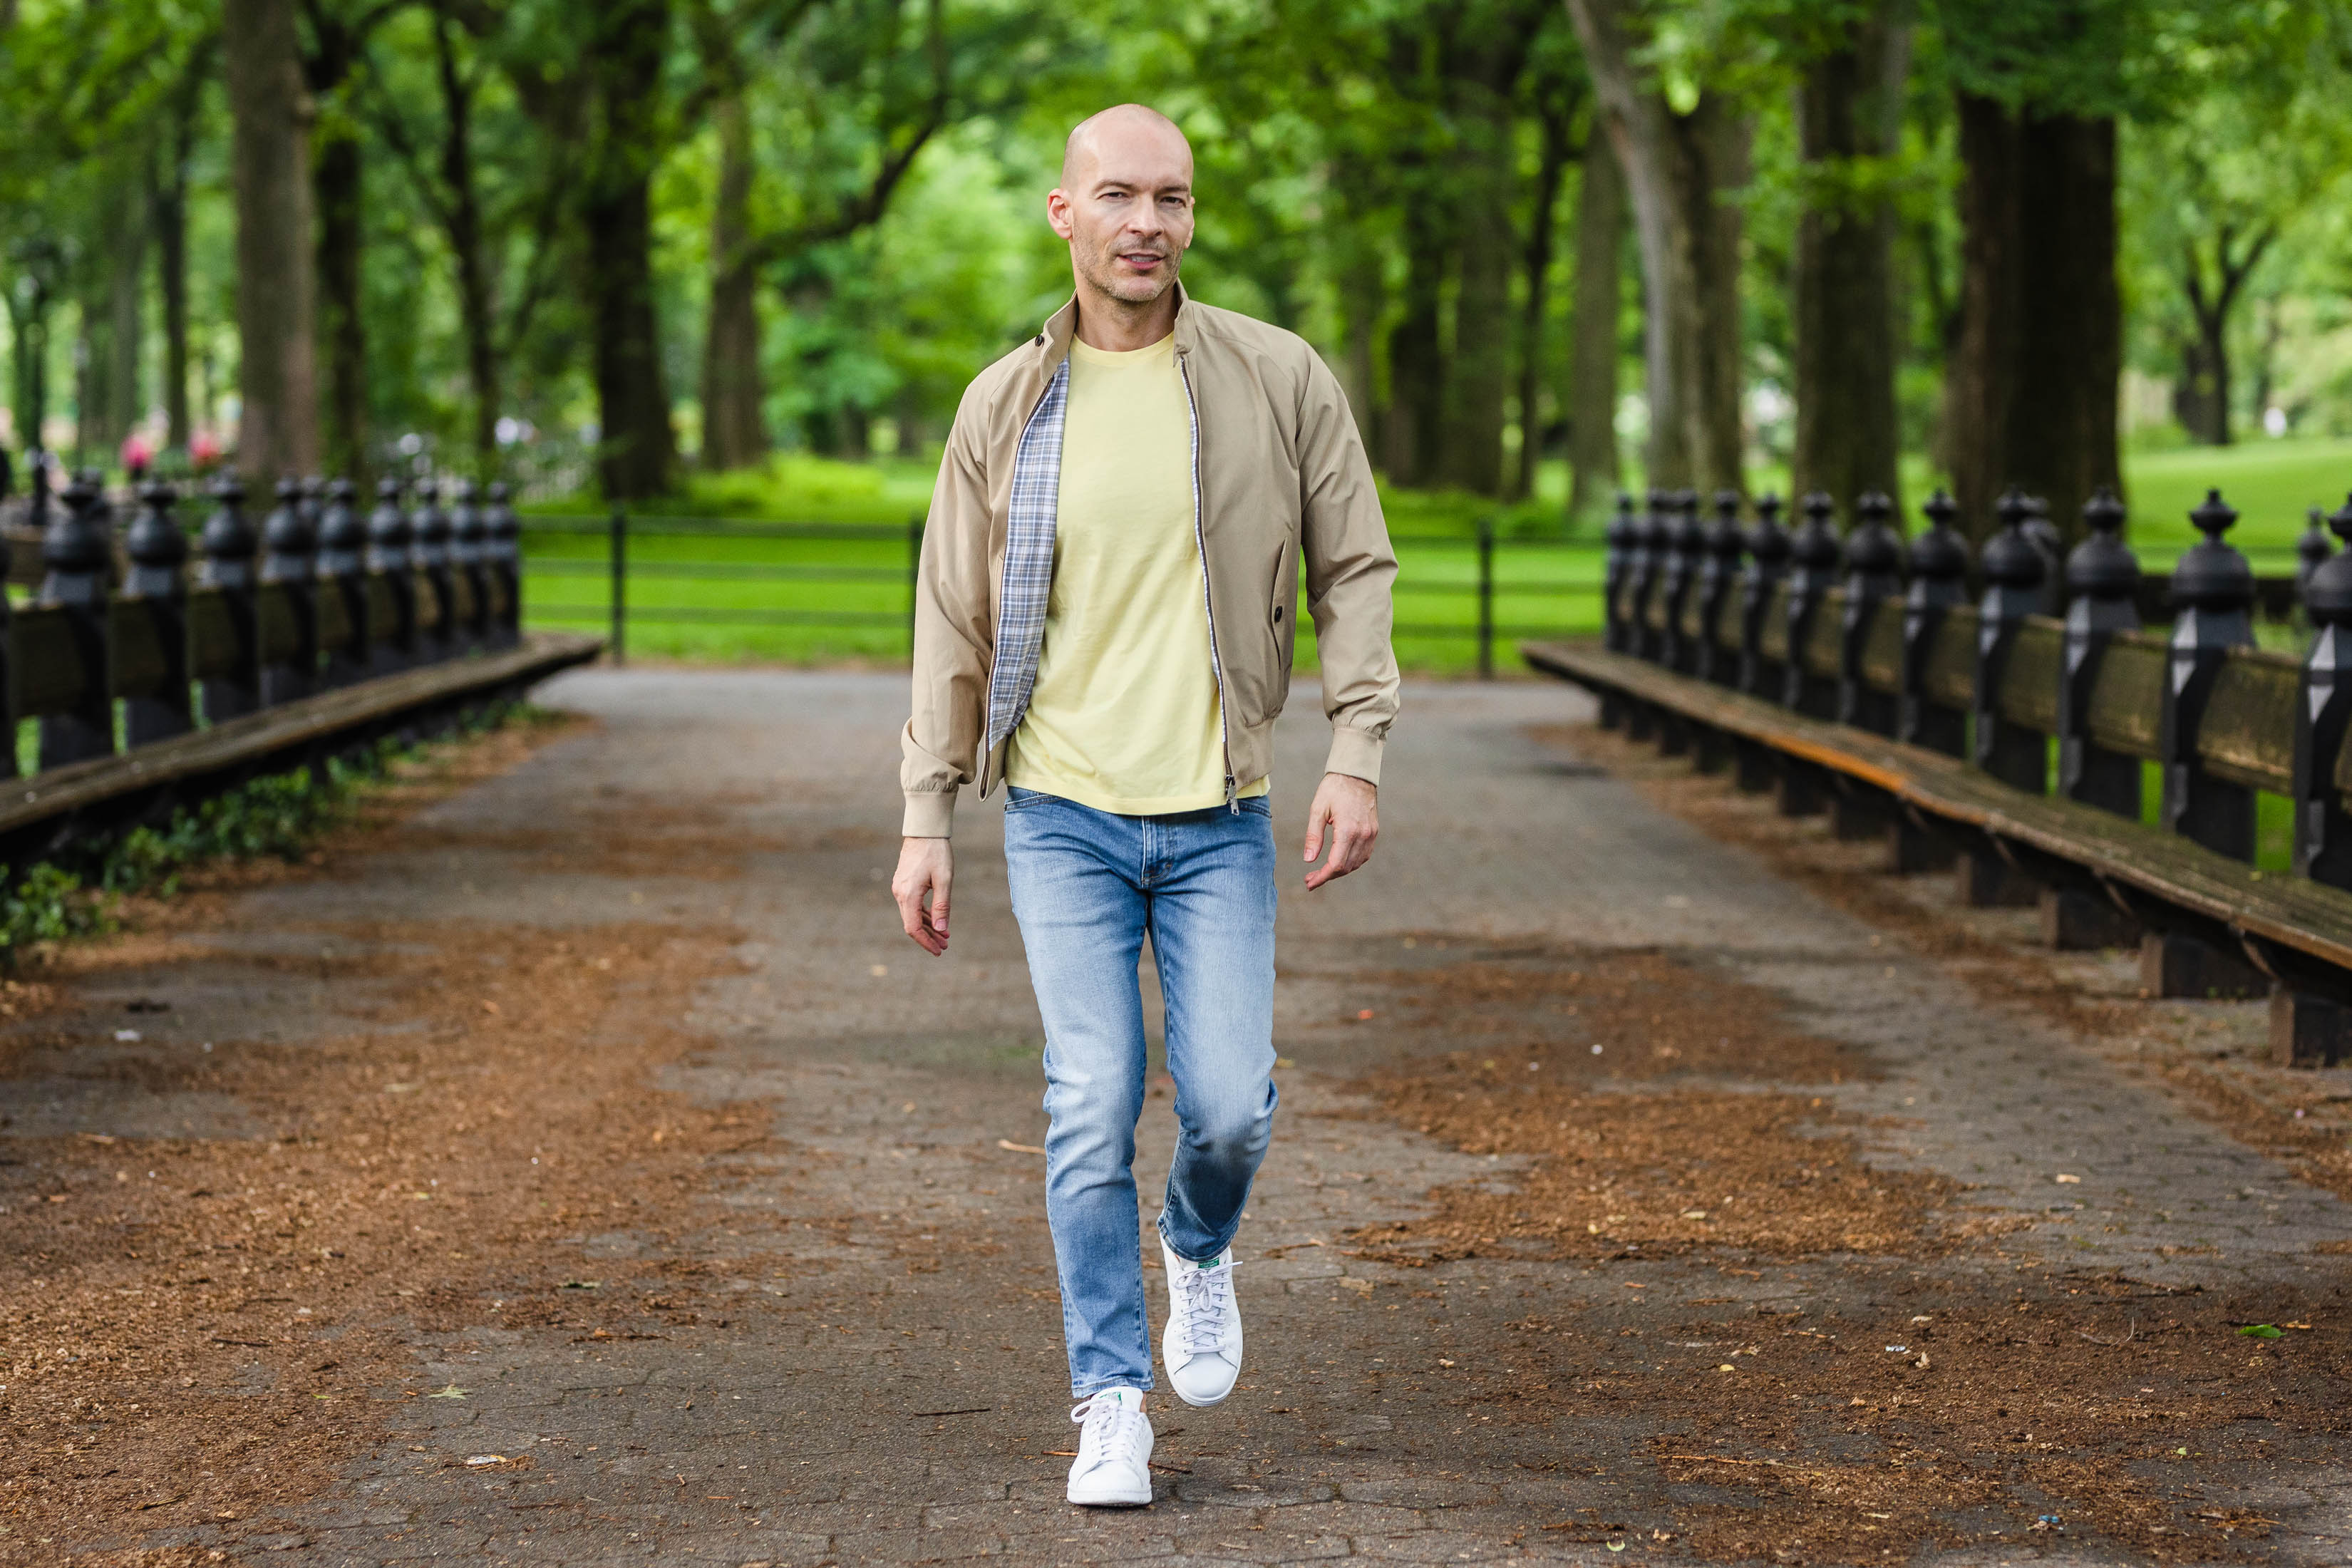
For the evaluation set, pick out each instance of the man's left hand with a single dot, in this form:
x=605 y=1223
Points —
x=1351 y=808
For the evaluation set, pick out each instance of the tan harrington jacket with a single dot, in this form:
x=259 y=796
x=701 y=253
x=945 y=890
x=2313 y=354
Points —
x=1280 y=478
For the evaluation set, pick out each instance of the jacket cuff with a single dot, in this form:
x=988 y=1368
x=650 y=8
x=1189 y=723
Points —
x=929 y=816
x=1355 y=754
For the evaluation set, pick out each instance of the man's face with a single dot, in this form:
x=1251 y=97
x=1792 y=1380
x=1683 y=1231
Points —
x=1124 y=205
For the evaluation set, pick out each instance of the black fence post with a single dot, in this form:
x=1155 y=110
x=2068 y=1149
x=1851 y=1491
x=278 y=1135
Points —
x=1686 y=549
x=2323 y=829
x=158 y=580
x=1940 y=570
x=1767 y=560
x=229 y=546
x=468 y=536
x=620 y=560
x=1622 y=539
x=2045 y=536
x=2103 y=592
x=290 y=562
x=504 y=555
x=428 y=542
x=2307 y=1030
x=390 y=564
x=1725 y=545
x=1486 y=598
x=1874 y=574
x=1812 y=566
x=2013 y=567
x=2212 y=597
x=2102 y=599
x=1650 y=536
x=2312 y=550
x=343 y=572
x=78 y=558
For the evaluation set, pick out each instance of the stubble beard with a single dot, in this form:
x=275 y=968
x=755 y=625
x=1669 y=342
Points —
x=1104 y=277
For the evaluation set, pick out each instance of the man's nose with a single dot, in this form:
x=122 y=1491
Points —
x=1148 y=222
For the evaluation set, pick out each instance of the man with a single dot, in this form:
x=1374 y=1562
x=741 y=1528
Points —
x=1103 y=620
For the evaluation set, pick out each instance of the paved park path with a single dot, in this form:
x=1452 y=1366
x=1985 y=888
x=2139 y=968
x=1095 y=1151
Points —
x=874 y=1372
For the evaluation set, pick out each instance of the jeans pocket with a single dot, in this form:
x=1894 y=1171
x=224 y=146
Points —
x=1019 y=799
x=1263 y=805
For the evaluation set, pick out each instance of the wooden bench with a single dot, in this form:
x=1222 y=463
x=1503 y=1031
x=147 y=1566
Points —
x=41 y=813
x=2293 y=933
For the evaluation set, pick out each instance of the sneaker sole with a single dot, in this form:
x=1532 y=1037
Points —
x=1200 y=1404
x=1110 y=1502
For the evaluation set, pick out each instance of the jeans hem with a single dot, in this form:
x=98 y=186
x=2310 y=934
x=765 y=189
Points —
x=1091 y=1389
x=1161 y=1225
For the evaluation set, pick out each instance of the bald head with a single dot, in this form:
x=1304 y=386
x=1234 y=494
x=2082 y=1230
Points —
x=1123 y=132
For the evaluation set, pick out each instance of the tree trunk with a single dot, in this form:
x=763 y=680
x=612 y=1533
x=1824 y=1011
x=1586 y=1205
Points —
x=1675 y=165
x=279 y=428
x=336 y=186
x=2032 y=388
x=1543 y=224
x=1848 y=110
x=624 y=55
x=1718 y=153
x=1478 y=379
x=1594 y=474
x=1364 y=302
x=1416 y=357
x=734 y=394
x=476 y=308
x=167 y=202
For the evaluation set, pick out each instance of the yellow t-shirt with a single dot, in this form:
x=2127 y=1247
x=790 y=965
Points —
x=1124 y=715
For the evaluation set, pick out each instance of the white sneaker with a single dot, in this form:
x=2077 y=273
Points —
x=1202 y=1345
x=1114 y=1464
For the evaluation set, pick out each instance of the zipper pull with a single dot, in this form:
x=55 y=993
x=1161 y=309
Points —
x=1232 y=801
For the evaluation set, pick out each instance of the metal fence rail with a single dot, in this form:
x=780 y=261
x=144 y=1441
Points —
x=619 y=566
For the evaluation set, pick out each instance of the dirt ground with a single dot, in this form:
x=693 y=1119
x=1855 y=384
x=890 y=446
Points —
x=571 y=1164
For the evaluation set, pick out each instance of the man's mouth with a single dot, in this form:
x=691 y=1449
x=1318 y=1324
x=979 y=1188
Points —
x=1142 y=260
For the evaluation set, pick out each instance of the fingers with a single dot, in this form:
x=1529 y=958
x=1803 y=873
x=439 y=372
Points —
x=1351 y=846
x=927 y=927
x=1315 y=830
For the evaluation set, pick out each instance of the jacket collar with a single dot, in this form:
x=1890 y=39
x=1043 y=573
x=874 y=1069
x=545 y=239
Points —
x=1061 y=326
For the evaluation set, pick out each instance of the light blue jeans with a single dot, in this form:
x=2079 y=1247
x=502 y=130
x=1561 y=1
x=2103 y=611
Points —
x=1087 y=885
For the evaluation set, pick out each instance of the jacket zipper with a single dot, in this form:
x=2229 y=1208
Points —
x=1208 y=601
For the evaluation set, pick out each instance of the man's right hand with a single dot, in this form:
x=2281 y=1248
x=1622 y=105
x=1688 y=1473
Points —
x=926 y=866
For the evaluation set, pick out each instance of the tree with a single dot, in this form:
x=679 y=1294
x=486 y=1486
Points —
x=2212 y=186
x=278 y=381
x=861 y=54
x=1483 y=58
x=1849 y=112
x=1681 y=153
x=339 y=33
x=620 y=64
x=1592 y=464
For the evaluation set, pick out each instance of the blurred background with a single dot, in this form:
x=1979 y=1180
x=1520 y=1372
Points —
x=735 y=260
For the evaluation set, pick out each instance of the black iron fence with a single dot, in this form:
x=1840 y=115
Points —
x=862 y=557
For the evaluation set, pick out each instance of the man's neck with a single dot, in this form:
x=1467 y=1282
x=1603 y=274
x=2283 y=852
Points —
x=1121 y=326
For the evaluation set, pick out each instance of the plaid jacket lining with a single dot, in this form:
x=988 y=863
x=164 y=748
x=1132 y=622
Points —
x=1028 y=561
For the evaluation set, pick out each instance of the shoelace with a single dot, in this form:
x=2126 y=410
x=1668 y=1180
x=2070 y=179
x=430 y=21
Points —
x=1114 y=1429
x=1201 y=1295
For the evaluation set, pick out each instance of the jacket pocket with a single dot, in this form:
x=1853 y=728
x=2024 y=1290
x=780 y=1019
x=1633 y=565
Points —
x=1282 y=625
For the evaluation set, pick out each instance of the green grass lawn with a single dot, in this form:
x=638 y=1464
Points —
x=809 y=601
